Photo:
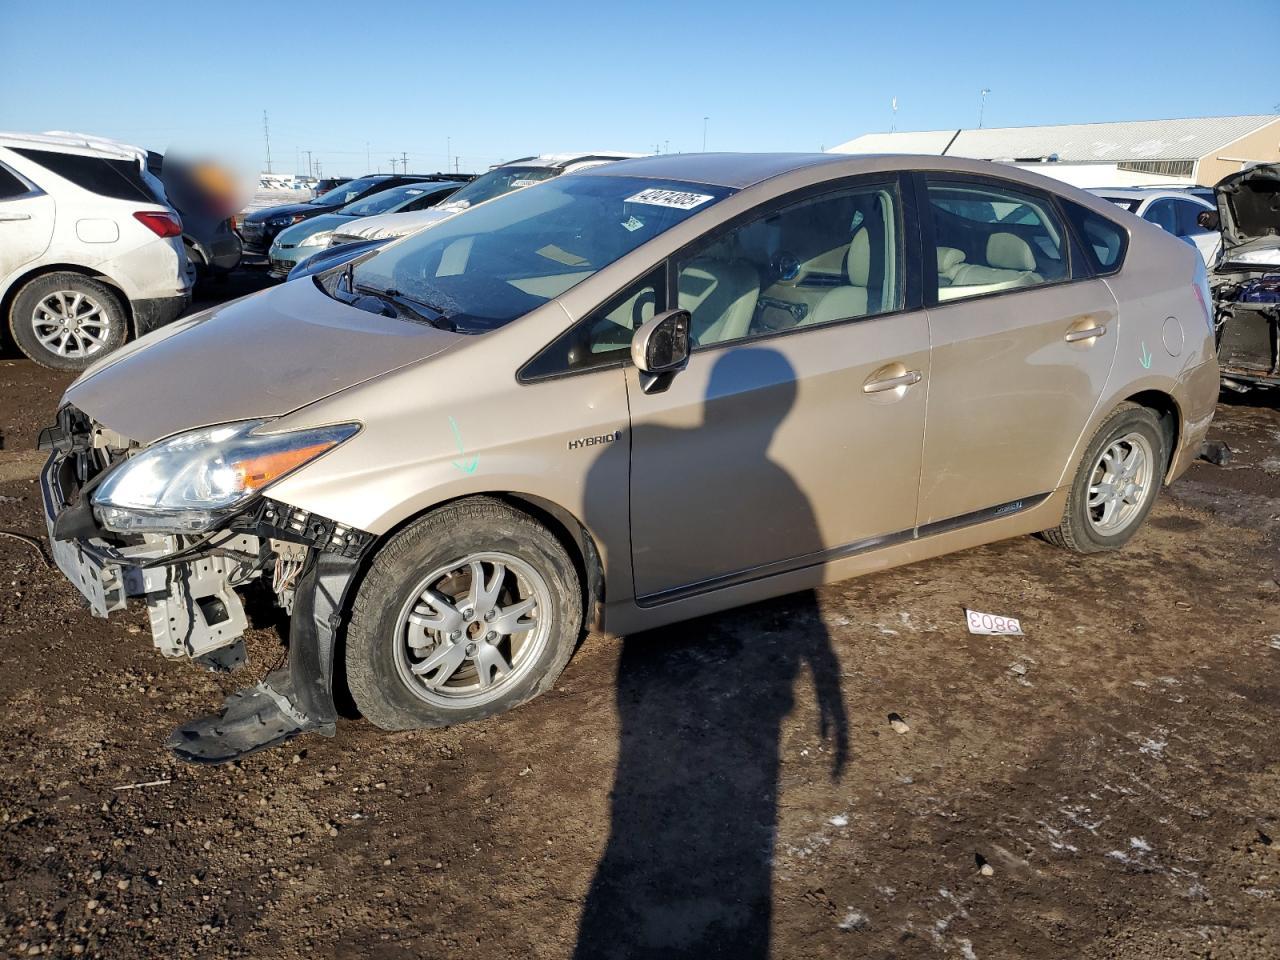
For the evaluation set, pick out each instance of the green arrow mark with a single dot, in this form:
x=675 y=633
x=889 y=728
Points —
x=467 y=466
x=1145 y=359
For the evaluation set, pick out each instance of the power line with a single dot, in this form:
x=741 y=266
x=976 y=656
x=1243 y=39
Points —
x=266 y=134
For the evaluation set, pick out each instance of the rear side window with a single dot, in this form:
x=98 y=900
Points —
x=1104 y=241
x=993 y=238
x=119 y=179
x=10 y=185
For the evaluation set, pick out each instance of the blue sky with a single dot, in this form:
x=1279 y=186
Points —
x=491 y=81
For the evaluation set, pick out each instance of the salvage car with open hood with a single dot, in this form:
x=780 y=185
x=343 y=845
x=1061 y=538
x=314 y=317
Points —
x=633 y=395
x=1246 y=277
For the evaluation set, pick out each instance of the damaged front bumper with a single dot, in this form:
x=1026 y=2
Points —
x=191 y=586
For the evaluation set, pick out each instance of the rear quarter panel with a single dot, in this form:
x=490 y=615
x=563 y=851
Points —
x=1165 y=344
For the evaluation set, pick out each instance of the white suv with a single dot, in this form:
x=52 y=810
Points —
x=90 y=250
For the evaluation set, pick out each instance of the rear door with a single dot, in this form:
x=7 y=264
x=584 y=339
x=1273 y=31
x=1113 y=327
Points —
x=794 y=436
x=26 y=221
x=1021 y=348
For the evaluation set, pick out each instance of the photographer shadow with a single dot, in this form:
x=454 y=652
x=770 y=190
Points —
x=688 y=868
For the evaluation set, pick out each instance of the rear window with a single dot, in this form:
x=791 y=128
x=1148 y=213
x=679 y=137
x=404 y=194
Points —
x=1124 y=203
x=119 y=179
x=1104 y=241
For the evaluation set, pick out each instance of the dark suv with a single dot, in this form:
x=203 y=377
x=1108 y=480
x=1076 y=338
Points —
x=259 y=229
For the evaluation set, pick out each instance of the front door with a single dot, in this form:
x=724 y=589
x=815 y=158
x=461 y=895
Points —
x=796 y=431
x=1021 y=352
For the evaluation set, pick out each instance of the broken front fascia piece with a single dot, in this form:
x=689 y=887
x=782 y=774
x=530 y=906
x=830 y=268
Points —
x=298 y=697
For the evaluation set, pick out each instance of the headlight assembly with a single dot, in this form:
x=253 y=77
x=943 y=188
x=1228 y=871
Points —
x=320 y=239
x=190 y=482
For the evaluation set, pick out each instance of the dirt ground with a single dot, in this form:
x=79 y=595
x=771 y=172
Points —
x=1116 y=770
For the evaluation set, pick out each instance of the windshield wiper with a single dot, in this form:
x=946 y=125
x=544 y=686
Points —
x=408 y=305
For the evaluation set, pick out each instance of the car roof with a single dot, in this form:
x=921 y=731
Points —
x=1147 y=193
x=567 y=159
x=73 y=143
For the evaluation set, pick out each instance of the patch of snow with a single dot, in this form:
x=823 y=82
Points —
x=839 y=820
x=854 y=920
x=966 y=950
x=1140 y=844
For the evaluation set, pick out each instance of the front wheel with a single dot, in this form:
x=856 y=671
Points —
x=468 y=612
x=1116 y=484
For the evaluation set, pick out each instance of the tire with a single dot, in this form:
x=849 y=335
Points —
x=203 y=271
x=390 y=609
x=1084 y=528
x=101 y=323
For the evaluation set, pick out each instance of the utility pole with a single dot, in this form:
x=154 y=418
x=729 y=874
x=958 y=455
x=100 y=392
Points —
x=311 y=170
x=982 y=104
x=704 y=133
x=893 y=124
x=448 y=151
x=393 y=164
x=666 y=146
x=266 y=135
x=367 y=162
x=404 y=163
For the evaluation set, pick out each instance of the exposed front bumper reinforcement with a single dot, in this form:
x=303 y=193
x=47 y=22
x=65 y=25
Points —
x=192 y=593
x=297 y=698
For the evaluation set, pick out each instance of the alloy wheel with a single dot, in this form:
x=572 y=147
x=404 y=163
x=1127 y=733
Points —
x=71 y=324
x=472 y=629
x=1119 y=484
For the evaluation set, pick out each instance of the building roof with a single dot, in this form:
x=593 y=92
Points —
x=1187 y=139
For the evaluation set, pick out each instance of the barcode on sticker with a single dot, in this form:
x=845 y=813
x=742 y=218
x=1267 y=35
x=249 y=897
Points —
x=677 y=199
x=990 y=625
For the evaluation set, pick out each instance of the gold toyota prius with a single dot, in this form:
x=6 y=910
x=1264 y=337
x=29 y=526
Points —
x=624 y=397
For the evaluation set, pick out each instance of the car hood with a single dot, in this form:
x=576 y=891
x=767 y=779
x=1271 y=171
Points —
x=286 y=210
x=291 y=236
x=264 y=355
x=1249 y=211
x=399 y=224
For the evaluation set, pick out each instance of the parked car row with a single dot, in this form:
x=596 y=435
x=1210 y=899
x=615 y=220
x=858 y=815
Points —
x=623 y=397
x=260 y=228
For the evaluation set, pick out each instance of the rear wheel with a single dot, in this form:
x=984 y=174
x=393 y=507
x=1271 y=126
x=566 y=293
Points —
x=468 y=612
x=66 y=321
x=1117 y=483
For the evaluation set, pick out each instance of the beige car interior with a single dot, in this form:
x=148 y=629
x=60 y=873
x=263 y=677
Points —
x=828 y=275
x=1010 y=263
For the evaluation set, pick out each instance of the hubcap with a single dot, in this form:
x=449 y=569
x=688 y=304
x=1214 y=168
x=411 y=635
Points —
x=71 y=324
x=472 y=629
x=1119 y=484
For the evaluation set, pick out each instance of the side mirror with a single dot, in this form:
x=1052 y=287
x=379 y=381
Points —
x=660 y=349
x=1208 y=219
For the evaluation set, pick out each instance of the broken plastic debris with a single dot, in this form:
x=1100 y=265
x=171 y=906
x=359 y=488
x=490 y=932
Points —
x=899 y=725
x=1215 y=452
x=991 y=625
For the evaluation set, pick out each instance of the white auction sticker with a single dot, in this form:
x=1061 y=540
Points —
x=990 y=625
x=677 y=199
x=524 y=183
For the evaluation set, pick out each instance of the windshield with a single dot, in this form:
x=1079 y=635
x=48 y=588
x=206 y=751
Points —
x=497 y=182
x=346 y=192
x=489 y=265
x=383 y=201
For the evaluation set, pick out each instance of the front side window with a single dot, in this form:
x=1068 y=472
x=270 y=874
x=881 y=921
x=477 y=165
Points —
x=491 y=264
x=820 y=260
x=990 y=239
x=1188 y=225
x=604 y=337
x=1163 y=214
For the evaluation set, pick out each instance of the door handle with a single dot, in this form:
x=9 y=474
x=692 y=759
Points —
x=14 y=216
x=1087 y=333
x=907 y=379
